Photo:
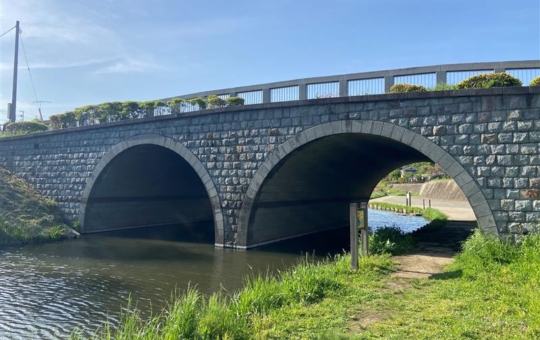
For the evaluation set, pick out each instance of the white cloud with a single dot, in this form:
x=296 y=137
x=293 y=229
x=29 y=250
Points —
x=8 y=66
x=127 y=65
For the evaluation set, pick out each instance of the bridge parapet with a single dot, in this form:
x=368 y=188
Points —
x=377 y=82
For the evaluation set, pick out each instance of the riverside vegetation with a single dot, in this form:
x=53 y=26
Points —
x=26 y=216
x=489 y=292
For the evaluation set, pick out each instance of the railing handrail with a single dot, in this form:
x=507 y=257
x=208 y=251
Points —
x=388 y=76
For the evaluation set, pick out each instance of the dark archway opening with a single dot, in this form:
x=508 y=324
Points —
x=149 y=185
x=311 y=188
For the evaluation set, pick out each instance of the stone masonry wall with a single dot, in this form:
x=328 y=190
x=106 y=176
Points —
x=494 y=134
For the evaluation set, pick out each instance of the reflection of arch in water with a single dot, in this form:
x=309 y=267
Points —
x=306 y=184
x=149 y=180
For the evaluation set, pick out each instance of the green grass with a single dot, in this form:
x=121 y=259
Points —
x=491 y=291
x=390 y=240
x=26 y=216
x=261 y=309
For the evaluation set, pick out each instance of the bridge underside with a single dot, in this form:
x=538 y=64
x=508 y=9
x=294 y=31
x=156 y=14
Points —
x=148 y=185
x=310 y=189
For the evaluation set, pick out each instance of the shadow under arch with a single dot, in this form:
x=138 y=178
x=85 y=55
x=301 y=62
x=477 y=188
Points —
x=152 y=144
x=340 y=133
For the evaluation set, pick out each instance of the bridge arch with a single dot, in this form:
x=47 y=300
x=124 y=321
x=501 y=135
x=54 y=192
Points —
x=335 y=135
x=153 y=146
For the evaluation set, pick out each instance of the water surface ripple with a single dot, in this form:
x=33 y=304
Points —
x=46 y=291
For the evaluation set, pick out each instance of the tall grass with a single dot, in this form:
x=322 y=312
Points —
x=390 y=240
x=232 y=316
x=11 y=233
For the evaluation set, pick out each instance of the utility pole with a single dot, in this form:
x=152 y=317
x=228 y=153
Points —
x=22 y=114
x=15 y=67
x=39 y=102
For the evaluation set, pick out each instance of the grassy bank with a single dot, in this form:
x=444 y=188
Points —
x=489 y=292
x=26 y=216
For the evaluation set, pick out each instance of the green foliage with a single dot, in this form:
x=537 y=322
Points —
x=535 y=81
x=160 y=108
x=489 y=292
x=390 y=240
x=148 y=108
x=489 y=80
x=63 y=120
x=26 y=216
x=198 y=102
x=215 y=102
x=117 y=111
x=484 y=251
x=25 y=127
x=442 y=87
x=234 y=101
x=240 y=315
x=176 y=105
x=405 y=88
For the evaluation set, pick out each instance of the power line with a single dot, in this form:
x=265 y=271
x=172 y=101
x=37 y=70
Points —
x=30 y=73
x=6 y=32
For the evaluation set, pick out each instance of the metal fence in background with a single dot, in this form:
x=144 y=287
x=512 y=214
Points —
x=379 y=82
x=428 y=80
x=251 y=97
x=322 y=90
x=526 y=76
x=285 y=94
x=453 y=78
x=364 y=87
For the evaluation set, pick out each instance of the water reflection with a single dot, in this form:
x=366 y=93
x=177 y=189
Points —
x=48 y=290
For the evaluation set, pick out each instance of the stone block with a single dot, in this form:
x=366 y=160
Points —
x=523 y=205
x=489 y=138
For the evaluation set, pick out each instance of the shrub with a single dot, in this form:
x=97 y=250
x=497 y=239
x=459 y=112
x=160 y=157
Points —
x=443 y=87
x=176 y=105
x=489 y=80
x=234 y=101
x=215 y=101
x=55 y=122
x=390 y=240
x=536 y=81
x=26 y=127
x=405 y=88
x=201 y=103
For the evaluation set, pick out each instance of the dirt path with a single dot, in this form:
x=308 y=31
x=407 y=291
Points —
x=436 y=250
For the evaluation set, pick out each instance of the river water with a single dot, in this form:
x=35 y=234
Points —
x=48 y=290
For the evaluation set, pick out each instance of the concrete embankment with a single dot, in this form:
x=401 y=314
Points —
x=455 y=210
x=440 y=190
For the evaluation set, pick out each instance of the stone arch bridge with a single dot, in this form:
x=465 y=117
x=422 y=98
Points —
x=272 y=171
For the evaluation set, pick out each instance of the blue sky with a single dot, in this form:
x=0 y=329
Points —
x=88 y=52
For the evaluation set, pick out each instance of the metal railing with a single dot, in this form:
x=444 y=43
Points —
x=378 y=82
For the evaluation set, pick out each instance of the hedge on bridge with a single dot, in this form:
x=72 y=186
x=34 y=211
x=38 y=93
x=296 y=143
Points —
x=536 y=81
x=25 y=127
x=405 y=88
x=489 y=80
x=117 y=111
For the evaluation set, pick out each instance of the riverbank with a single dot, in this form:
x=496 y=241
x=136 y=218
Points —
x=26 y=216
x=454 y=210
x=490 y=291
